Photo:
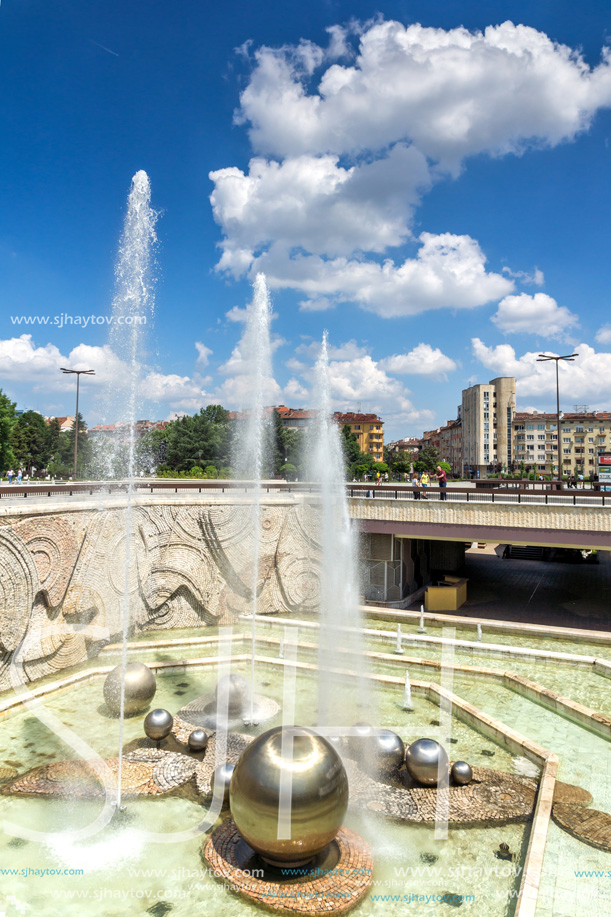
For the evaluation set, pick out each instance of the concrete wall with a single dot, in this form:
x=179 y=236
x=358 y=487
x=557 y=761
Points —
x=63 y=566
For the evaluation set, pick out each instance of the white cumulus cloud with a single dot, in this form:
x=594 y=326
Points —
x=423 y=360
x=587 y=379
x=453 y=93
x=448 y=272
x=538 y=314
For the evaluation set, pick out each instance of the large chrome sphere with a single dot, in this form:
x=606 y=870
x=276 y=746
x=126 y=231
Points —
x=158 y=724
x=221 y=779
x=140 y=687
x=318 y=798
x=425 y=759
x=386 y=753
x=198 y=740
x=234 y=690
x=461 y=773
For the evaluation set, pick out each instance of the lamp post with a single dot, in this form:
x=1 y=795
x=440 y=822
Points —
x=78 y=373
x=545 y=358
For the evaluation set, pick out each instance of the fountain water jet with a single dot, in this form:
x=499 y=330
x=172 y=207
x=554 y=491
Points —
x=340 y=617
x=132 y=308
x=251 y=444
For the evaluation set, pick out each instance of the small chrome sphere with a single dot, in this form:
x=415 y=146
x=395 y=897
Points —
x=234 y=690
x=461 y=773
x=158 y=724
x=198 y=740
x=221 y=778
x=140 y=687
x=385 y=753
x=425 y=759
x=318 y=800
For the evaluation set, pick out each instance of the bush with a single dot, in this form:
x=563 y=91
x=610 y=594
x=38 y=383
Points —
x=288 y=471
x=211 y=472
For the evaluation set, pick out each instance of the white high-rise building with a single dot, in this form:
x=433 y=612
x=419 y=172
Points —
x=487 y=413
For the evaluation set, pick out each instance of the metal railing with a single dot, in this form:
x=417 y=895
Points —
x=511 y=493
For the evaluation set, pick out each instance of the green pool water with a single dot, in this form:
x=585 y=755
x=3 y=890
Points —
x=409 y=860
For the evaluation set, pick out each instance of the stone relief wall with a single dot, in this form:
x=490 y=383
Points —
x=189 y=566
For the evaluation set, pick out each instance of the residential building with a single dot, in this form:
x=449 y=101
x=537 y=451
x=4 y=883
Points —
x=65 y=423
x=584 y=436
x=295 y=418
x=121 y=429
x=535 y=441
x=487 y=413
x=368 y=429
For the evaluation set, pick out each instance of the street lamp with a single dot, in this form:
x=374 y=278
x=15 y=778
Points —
x=78 y=373
x=545 y=358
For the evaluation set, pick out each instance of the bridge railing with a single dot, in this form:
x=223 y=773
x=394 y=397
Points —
x=452 y=494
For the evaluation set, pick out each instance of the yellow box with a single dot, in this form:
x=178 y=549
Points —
x=447 y=595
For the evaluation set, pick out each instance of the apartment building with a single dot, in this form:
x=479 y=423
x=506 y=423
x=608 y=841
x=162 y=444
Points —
x=535 y=442
x=584 y=436
x=295 y=418
x=487 y=414
x=368 y=429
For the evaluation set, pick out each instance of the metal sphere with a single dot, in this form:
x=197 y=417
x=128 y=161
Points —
x=318 y=799
x=233 y=690
x=158 y=724
x=221 y=778
x=425 y=759
x=461 y=773
x=386 y=753
x=198 y=740
x=140 y=687
x=357 y=743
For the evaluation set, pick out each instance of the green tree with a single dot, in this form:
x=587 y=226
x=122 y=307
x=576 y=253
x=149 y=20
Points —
x=31 y=441
x=429 y=457
x=203 y=438
x=65 y=459
x=350 y=445
x=7 y=423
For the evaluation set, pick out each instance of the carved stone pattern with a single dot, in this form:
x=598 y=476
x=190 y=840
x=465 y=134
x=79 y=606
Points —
x=190 y=567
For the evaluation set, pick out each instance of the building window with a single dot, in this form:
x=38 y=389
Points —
x=540 y=436
x=530 y=436
x=540 y=426
x=566 y=429
x=530 y=426
x=578 y=429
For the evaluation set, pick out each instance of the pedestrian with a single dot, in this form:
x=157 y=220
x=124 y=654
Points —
x=425 y=481
x=9 y=475
x=443 y=482
x=573 y=482
x=378 y=478
x=416 y=485
x=19 y=476
x=581 y=480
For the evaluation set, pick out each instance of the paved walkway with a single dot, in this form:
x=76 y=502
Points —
x=556 y=593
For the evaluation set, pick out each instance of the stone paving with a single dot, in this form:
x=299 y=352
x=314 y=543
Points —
x=201 y=714
x=346 y=867
x=145 y=772
x=557 y=593
x=587 y=825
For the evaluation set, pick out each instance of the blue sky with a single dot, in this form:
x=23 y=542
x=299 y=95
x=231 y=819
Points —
x=431 y=185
